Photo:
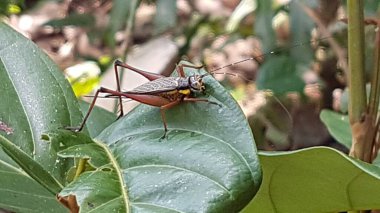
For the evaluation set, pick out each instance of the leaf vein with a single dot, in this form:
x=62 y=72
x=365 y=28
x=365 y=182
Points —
x=29 y=194
x=104 y=204
x=179 y=168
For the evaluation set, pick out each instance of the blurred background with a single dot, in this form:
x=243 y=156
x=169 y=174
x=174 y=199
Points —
x=299 y=51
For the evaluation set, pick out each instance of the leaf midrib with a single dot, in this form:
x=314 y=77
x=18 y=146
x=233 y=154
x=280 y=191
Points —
x=118 y=170
x=179 y=168
x=20 y=101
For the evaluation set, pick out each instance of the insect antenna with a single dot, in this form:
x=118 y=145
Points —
x=277 y=50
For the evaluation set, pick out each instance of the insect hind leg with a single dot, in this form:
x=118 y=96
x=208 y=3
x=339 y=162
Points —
x=100 y=90
x=147 y=75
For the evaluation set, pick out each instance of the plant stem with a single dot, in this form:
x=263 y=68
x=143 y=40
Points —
x=374 y=96
x=80 y=168
x=356 y=79
x=357 y=103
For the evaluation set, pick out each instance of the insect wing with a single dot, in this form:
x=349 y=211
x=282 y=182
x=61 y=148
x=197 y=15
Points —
x=157 y=86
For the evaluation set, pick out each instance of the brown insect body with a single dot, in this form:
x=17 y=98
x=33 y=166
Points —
x=166 y=92
x=160 y=91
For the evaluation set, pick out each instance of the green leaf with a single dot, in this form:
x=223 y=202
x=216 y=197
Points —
x=301 y=26
x=30 y=166
x=61 y=139
x=280 y=74
x=166 y=15
x=98 y=191
x=35 y=98
x=98 y=120
x=20 y=193
x=263 y=25
x=208 y=162
x=90 y=151
x=338 y=126
x=80 y=20
x=317 y=179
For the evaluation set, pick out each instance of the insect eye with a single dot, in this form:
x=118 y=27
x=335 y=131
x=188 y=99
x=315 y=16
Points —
x=195 y=84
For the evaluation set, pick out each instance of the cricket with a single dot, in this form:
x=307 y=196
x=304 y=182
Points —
x=166 y=92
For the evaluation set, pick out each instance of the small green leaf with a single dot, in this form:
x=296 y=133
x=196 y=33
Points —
x=80 y=20
x=280 y=74
x=338 y=126
x=96 y=155
x=263 y=24
x=60 y=139
x=317 y=179
x=301 y=25
x=30 y=166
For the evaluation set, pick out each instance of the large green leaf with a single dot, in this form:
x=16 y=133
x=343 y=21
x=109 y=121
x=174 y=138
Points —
x=318 y=179
x=281 y=74
x=35 y=98
x=208 y=161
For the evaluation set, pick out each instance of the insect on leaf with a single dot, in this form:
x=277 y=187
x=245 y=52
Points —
x=207 y=163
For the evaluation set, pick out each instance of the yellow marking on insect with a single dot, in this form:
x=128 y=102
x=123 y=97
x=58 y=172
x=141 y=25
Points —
x=185 y=91
x=171 y=92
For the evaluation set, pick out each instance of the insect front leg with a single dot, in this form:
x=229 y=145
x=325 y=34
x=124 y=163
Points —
x=118 y=89
x=181 y=72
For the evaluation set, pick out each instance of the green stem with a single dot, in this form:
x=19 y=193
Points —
x=374 y=96
x=359 y=119
x=357 y=105
x=80 y=168
x=373 y=104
